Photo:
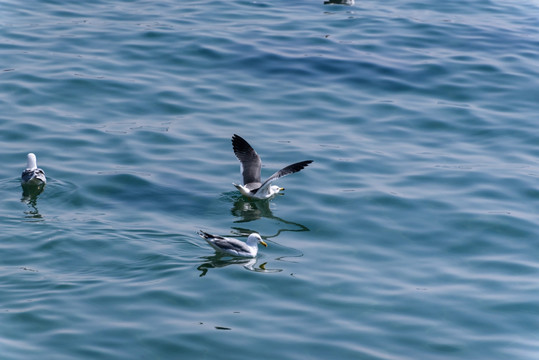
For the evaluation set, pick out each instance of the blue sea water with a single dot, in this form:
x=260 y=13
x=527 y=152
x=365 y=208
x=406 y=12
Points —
x=413 y=235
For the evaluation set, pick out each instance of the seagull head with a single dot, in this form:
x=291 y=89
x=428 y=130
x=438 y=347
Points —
x=274 y=189
x=31 y=163
x=254 y=238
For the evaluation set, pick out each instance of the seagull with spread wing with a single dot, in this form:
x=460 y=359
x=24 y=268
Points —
x=250 y=165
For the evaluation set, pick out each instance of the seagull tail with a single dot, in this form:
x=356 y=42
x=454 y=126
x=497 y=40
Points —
x=237 y=186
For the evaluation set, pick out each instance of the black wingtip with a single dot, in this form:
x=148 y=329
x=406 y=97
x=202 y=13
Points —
x=236 y=138
x=241 y=146
x=294 y=168
x=304 y=164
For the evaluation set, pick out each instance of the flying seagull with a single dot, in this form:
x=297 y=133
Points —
x=234 y=247
x=33 y=175
x=250 y=165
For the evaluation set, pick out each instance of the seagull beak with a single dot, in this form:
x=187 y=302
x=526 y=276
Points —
x=281 y=189
x=263 y=243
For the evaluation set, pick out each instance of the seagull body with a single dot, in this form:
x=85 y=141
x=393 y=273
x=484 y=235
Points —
x=250 y=166
x=33 y=175
x=234 y=247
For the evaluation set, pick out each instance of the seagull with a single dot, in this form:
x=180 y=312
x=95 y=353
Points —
x=250 y=165
x=340 y=2
x=33 y=175
x=234 y=247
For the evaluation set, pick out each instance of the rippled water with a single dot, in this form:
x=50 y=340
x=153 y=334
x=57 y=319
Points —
x=413 y=235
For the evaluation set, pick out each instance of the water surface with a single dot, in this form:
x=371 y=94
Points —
x=413 y=235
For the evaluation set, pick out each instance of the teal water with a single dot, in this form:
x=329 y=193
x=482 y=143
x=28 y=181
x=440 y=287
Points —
x=413 y=235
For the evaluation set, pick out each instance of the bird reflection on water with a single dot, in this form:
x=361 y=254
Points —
x=218 y=261
x=248 y=210
x=30 y=193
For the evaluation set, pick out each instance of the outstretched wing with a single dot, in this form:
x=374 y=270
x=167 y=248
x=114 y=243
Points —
x=290 y=169
x=249 y=160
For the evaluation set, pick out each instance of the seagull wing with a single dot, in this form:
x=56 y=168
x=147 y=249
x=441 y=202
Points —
x=37 y=173
x=27 y=175
x=249 y=159
x=290 y=169
x=231 y=246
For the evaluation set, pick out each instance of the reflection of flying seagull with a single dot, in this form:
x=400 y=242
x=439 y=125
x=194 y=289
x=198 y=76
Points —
x=250 y=170
x=33 y=175
x=234 y=246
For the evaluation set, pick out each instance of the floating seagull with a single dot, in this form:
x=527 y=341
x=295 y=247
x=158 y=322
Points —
x=33 y=175
x=234 y=246
x=250 y=169
x=340 y=2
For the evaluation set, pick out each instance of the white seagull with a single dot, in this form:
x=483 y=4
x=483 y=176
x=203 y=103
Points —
x=234 y=247
x=33 y=175
x=250 y=165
